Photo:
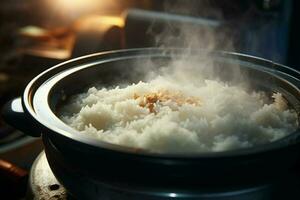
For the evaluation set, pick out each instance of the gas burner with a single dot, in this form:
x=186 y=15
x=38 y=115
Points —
x=44 y=185
x=42 y=182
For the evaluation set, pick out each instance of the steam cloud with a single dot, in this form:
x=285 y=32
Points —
x=191 y=34
x=149 y=115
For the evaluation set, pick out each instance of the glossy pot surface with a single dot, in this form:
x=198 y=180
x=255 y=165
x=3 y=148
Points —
x=74 y=156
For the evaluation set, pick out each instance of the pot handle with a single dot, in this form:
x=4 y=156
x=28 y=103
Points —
x=13 y=114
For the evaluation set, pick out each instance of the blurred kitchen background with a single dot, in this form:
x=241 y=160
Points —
x=35 y=35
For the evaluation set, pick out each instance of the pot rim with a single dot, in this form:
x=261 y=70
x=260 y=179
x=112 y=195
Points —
x=29 y=93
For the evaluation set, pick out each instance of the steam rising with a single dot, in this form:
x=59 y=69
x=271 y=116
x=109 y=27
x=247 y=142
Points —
x=192 y=103
x=195 y=32
x=190 y=34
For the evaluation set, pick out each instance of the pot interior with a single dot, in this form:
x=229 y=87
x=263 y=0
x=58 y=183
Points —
x=257 y=74
x=125 y=71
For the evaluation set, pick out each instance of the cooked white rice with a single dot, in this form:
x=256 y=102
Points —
x=211 y=116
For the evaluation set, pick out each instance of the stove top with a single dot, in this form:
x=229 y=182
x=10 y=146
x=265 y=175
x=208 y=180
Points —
x=44 y=185
x=42 y=182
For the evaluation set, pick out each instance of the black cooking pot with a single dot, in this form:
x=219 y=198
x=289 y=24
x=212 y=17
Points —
x=86 y=166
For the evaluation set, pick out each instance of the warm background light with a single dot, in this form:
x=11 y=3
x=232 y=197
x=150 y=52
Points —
x=75 y=6
x=97 y=21
x=74 y=9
